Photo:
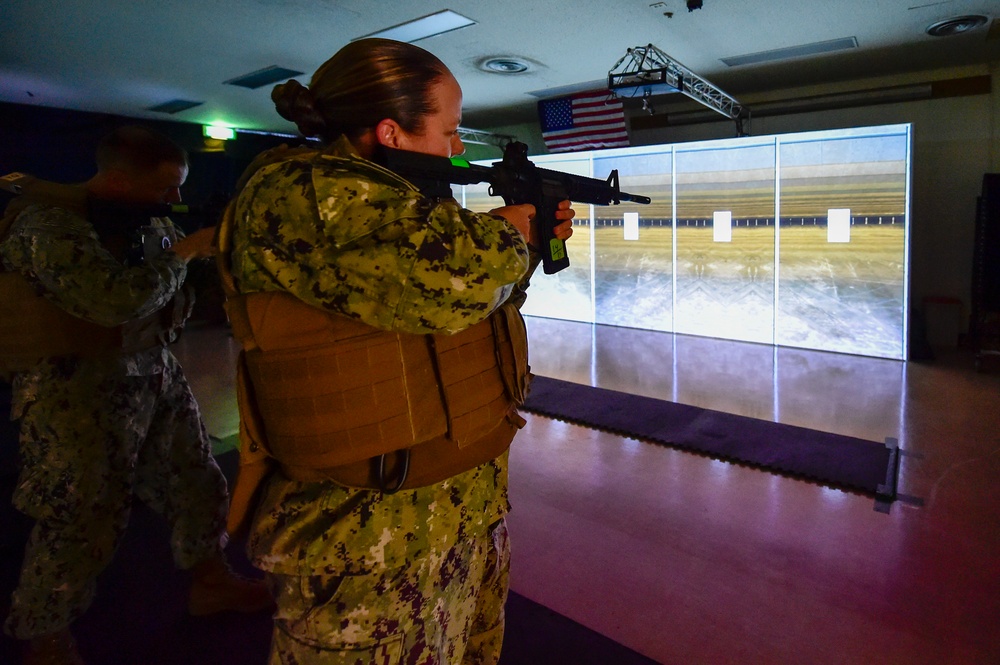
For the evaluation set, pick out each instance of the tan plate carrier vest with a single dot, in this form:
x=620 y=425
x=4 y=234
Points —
x=330 y=398
x=33 y=328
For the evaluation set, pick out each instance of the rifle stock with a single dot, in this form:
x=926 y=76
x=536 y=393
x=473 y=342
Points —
x=516 y=180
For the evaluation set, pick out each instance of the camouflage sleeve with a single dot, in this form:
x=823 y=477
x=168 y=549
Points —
x=373 y=248
x=520 y=291
x=60 y=251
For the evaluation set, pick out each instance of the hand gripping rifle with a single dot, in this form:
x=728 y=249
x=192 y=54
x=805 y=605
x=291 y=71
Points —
x=517 y=180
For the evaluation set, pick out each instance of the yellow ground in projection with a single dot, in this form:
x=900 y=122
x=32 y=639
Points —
x=873 y=253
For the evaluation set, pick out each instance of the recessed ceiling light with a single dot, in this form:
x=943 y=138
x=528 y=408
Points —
x=175 y=106
x=815 y=48
x=955 y=25
x=263 y=77
x=424 y=27
x=504 y=65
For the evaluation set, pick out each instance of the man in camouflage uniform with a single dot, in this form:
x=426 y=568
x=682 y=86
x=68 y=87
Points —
x=103 y=425
x=362 y=576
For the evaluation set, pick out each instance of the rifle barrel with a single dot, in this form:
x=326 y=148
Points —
x=635 y=198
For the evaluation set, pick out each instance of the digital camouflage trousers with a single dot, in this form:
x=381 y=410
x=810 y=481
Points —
x=90 y=442
x=444 y=609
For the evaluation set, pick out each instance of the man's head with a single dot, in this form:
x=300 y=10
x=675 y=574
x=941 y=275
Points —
x=139 y=165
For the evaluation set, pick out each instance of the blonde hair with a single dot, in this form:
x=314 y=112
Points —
x=365 y=82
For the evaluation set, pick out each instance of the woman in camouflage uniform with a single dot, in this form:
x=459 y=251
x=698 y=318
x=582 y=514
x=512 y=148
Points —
x=361 y=574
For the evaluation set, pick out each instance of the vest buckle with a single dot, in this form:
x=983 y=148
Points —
x=403 y=459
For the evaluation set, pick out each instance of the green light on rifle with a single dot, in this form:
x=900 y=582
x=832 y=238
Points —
x=455 y=161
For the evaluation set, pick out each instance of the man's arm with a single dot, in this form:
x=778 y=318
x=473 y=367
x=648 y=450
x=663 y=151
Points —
x=197 y=245
x=60 y=251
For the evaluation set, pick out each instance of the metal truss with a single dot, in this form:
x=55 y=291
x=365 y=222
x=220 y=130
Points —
x=646 y=70
x=481 y=137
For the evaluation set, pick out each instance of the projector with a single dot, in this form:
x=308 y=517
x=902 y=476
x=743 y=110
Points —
x=644 y=83
x=646 y=71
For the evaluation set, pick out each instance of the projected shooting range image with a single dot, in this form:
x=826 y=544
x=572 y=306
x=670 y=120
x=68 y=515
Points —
x=712 y=263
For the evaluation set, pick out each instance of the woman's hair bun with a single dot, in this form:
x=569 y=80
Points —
x=296 y=102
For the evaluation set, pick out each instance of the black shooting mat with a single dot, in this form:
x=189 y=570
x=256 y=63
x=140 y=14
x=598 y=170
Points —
x=139 y=615
x=839 y=461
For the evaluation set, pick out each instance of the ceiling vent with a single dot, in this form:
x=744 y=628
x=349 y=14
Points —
x=504 y=65
x=955 y=25
x=263 y=77
x=800 y=51
x=174 y=106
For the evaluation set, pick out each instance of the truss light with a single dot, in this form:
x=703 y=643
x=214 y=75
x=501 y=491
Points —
x=645 y=71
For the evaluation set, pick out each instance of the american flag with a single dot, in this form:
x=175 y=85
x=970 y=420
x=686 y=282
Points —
x=587 y=121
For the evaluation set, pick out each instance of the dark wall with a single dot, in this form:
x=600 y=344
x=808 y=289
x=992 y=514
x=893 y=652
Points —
x=59 y=144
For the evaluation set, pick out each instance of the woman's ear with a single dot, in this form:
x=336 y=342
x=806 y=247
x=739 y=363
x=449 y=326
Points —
x=388 y=133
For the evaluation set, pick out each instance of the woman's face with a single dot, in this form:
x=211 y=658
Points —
x=439 y=135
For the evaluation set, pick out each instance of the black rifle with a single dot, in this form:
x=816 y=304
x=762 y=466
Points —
x=124 y=227
x=119 y=224
x=517 y=180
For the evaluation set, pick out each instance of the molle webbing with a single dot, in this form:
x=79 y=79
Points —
x=308 y=403
x=332 y=391
x=32 y=328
